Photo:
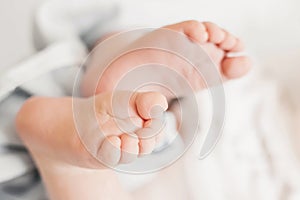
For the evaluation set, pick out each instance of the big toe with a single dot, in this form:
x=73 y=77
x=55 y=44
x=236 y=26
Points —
x=235 y=67
x=151 y=104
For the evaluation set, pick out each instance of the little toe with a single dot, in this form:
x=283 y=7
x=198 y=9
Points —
x=109 y=152
x=236 y=67
x=215 y=34
x=130 y=148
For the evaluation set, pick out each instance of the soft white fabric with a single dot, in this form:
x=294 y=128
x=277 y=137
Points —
x=254 y=158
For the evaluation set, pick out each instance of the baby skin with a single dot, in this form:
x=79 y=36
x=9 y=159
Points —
x=215 y=41
x=47 y=125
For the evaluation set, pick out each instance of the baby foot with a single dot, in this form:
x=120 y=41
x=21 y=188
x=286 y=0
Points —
x=132 y=129
x=217 y=42
x=126 y=129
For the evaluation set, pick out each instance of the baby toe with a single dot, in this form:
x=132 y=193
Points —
x=229 y=42
x=109 y=152
x=196 y=31
x=130 y=148
x=151 y=104
x=215 y=34
x=236 y=67
x=147 y=145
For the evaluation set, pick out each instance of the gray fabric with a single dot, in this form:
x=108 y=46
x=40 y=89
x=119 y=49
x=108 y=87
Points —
x=25 y=187
x=23 y=181
x=28 y=186
x=19 y=178
x=8 y=109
